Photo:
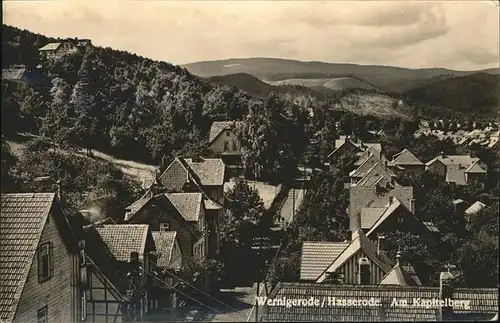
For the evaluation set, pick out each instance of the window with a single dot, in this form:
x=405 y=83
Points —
x=228 y=133
x=226 y=145
x=400 y=219
x=43 y=315
x=45 y=262
x=164 y=226
x=234 y=145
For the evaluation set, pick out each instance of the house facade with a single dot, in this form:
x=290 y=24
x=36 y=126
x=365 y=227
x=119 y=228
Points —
x=458 y=169
x=405 y=162
x=64 y=47
x=38 y=261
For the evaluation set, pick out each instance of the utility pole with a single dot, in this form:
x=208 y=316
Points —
x=131 y=305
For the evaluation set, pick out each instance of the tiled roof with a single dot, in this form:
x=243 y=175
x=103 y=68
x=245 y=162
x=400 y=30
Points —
x=23 y=217
x=370 y=215
x=398 y=276
x=367 y=153
x=211 y=205
x=137 y=205
x=188 y=204
x=164 y=242
x=359 y=243
x=375 y=175
x=482 y=301
x=211 y=171
x=122 y=239
x=50 y=46
x=406 y=157
x=13 y=73
x=317 y=256
x=475 y=207
x=219 y=126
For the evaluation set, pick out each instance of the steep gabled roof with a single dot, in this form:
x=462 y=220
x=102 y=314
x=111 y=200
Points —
x=377 y=174
x=165 y=242
x=219 y=126
x=475 y=168
x=360 y=242
x=316 y=256
x=23 y=217
x=122 y=239
x=188 y=204
x=399 y=276
x=406 y=157
x=210 y=171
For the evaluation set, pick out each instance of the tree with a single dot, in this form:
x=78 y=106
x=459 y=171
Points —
x=7 y=167
x=274 y=139
x=346 y=124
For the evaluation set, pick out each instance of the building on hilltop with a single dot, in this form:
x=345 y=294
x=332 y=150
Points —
x=64 y=47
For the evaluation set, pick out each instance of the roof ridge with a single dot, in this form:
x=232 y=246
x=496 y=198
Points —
x=34 y=245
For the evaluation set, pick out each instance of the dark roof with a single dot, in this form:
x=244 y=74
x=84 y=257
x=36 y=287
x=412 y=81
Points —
x=359 y=243
x=122 y=239
x=316 y=256
x=165 y=242
x=219 y=126
x=23 y=217
x=482 y=301
x=103 y=260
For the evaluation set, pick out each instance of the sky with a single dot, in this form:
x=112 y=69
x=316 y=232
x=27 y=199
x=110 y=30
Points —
x=460 y=35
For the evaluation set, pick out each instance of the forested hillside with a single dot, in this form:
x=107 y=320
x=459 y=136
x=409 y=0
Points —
x=114 y=101
x=472 y=94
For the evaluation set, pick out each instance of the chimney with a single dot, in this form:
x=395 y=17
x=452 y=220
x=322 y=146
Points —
x=398 y=258
x=442 y=154
x=412 y=205
x=391 y=200
x=363 y=271
x=446 y=294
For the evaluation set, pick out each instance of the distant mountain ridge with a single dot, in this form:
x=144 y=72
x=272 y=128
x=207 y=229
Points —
x=388 y=78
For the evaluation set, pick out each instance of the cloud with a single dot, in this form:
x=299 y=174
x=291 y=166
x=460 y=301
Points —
x=454 y=34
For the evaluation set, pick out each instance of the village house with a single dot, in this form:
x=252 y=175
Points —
x=224 y=142
x=458 y=169
x=371 y=166
x=405 y=162
x=379 y=218
x=21 y=76
x=64 y=47
x=182 y=213
x=205 y=176
x=38 y=261
x=478 y=304
x=352 y=145
x=355 y=262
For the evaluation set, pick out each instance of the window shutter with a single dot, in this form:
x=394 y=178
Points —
x=39 y=267
x=51 y=259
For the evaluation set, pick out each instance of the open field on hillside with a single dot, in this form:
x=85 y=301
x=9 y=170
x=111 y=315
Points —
x=372 y=104
x=143 y=173
x=339 y=83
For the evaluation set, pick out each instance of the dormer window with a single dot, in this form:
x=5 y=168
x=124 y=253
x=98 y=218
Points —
x=164 y=227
